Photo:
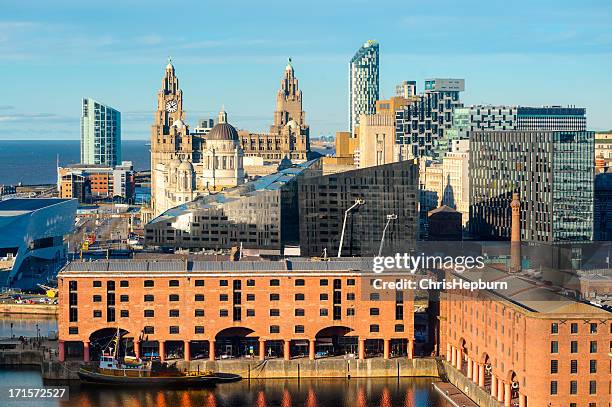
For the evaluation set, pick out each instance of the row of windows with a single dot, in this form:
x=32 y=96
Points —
x=223 y=283
x=554 y=328
x=554 y=366
x=554 y=347
x=554 y=387
x=225 y=297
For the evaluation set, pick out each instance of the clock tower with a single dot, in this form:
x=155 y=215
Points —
x=169 y=135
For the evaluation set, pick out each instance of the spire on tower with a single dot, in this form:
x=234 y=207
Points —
x=289 y=67
x=222 y=115
x=169 y=66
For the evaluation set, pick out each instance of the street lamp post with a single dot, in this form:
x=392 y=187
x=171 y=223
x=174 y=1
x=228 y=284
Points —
x=358 y=202
x=382 y=240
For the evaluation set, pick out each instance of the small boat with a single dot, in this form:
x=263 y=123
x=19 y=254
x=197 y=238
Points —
x=132 y=371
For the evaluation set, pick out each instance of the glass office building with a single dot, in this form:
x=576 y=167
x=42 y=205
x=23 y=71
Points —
x=553 y=173
x=100 y=134
x=363 y=83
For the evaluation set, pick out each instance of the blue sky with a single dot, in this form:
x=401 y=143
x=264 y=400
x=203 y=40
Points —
x=233 y=53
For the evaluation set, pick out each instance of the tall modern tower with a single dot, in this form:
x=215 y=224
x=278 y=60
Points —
x=363 y=83
x=100 y=134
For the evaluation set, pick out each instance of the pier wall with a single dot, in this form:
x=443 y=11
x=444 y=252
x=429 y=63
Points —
x=31 y=309
x=479 y=395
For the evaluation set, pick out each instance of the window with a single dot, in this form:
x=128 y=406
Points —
x=124 y=298
x=323 y=282
x=323 y=297
x=274 y=297
x=199 y=329
x=574 y=366
x=199 y=283
x=174 y=330
x=374 y=296
x=223 y=283
x=350 y=312
x=250 y=297
x=149 y=283
x=592 y=366
x=223 y=313
x=554 y=328
x=149 y=313
x=350 y=281
x=97 y=298
x=173 y=313
x=593 y=347
x=97 y=283
x=149 y=330
x=199 y=297
x=97 y=313
x=149 y=298
x=74 y=313
x=274 y=282
x=223 y=297
x=553 y=387
x=199 y=313
x=573 y=387
x=374 y=311
x=72 y=285
x=554 y=366
x=350 y=296
x=173 y=283
x=374 y=328
x=274 y=312
x=73 y=330
x=593 y=328
x=173 y=297
x=251 y=283
x=399 y=327
x=299 y=312
x=574 y=328
x=574 y=347
x=124 y=283
x=554 y=347
x=593 y=387
x=323 y=312
x=124 y=313
x=250 y=313
x=299 y=297
x=299 y=329
x=300 y=282
x=274 y=329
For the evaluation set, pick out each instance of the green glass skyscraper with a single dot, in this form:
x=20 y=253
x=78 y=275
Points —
x=100 y=134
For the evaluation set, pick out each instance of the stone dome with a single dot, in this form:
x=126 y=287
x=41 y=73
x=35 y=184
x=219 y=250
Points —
x=223 y=131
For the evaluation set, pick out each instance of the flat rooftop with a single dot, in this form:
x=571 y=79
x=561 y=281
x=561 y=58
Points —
x=28 y=204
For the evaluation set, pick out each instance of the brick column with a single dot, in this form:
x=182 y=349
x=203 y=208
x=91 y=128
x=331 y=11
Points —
x=453 y=356
x=459 y=359
x=211 y=349
x=475 y=371
x=522 y=400
x=493 y=386
x=162 y=351
x=469 y=368
x=262 y=349
x=86 y=351
x=60 y=351
x=287 y=349
x=311 y=349
x=500 y=390
x=361 y=348
x=449 y=357
x=137 y=349
x=481 y=375
x=386 y=348
x=507 y=394
x=411 y=349
x=187 y=351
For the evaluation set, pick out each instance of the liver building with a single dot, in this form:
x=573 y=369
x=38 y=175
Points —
x=184 y=165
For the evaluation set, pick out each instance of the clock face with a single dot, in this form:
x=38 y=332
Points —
x=171 y=106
